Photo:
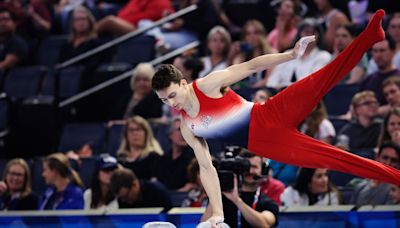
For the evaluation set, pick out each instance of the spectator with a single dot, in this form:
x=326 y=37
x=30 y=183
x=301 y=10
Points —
x=253 y=44
x=139 y=150
x=129 y=16
x=65 y=190
x=391 y=91
x=15 y=189
x=82 y=38
x=313 y=59
x=311 y=188
x=197 y=196
x=395 y=194
x=394 y=30
x=13 y=48
x=331 y=18
x=282 y=36
x=344 y=35
x=382 y=53
x=143 y=101
x=99 y=195
x=256 y=209
x=171 y=170
x=391 y=127
x=363 y=131
x=134 y=193
x=218 y=44
x=372 y=192
x=318 y=126
x=190 y=66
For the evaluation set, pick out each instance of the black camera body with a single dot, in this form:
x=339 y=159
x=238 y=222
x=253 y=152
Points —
x=230 y=165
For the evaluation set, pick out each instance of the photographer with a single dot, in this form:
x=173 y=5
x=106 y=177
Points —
x=254 y=207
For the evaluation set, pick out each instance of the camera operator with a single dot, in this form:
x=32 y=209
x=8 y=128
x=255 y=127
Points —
x=254 y=207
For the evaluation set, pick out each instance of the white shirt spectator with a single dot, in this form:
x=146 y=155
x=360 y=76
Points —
x=291 y=197
x=87 y=196
x=281 y=75
x=208 y=68
x=326 y=129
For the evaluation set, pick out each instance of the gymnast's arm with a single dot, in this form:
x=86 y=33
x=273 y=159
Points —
x=208 y=173
x=216 y=80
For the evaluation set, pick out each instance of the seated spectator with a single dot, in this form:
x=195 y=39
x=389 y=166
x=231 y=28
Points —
x=171 y=170
x=197 y=196
x=129 y=16
x=318 y=126
x=253 y=44
x=82 y=39
x=311 y=188
x=282 y=36
x=65 y=190
x=391 y=91
x=393 y=28
x=344 y=35
x=313 y=59
x=391 y=127
x=372 y=192
x=364 y=130
x=13 y=48
x=218 y=44
x=190 y=66
x=139 y=150
x=331 y=17
x=382 y=53
x=134 y=193
x=395 y=194
x=15 y=189
x=143 y=101
x=99 y=195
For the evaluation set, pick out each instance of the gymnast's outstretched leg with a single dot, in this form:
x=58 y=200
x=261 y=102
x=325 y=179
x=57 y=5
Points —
x=273 y=125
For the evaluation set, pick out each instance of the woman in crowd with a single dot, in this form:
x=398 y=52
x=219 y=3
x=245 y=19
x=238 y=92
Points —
x=391 y=127
x=218 y=44
x=311 y=188
x=15 y=189
x=99 y=195
x=65 y=190
x=283 y=35
x=143 y=102
x=318 y=126
x=395 y=194
x=139 y=150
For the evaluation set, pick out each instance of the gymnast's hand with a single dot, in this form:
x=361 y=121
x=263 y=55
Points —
x=216 y=221
x=301 y=46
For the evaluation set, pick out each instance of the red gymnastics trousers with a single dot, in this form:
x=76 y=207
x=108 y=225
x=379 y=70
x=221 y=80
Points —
x=273 y=126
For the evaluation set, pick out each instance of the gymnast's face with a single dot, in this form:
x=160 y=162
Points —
x=175 y=95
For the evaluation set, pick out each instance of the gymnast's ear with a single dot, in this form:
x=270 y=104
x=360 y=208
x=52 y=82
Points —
x=183 y=82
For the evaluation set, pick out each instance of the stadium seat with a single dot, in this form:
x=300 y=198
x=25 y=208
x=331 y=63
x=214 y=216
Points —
x=75 y=135
x=69 y=82
x=23 y=82
x=346 y=193
x=4 y=115
x=87 y=169
x=113 y=139
x=49 y=50
x=339 y=178
x=162 y=137
x=3 y=163
x=177 y=198
x=136 y=50
x=38 y=184
x=338 y=100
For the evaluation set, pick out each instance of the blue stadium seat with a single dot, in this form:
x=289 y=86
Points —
x=177 y=198
x=114 y=136
x=69 y=82
x=49 y=50
x=3 y=163
x=365 y=153
x=38 y=184
x=75 y=135
x=162 y=137
x=346 y=193
x=339 y=178
x=338 y=123
x=4 y=114
x=338 y=100
x=23 y=82
x=136 y=50
x=87 y=169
